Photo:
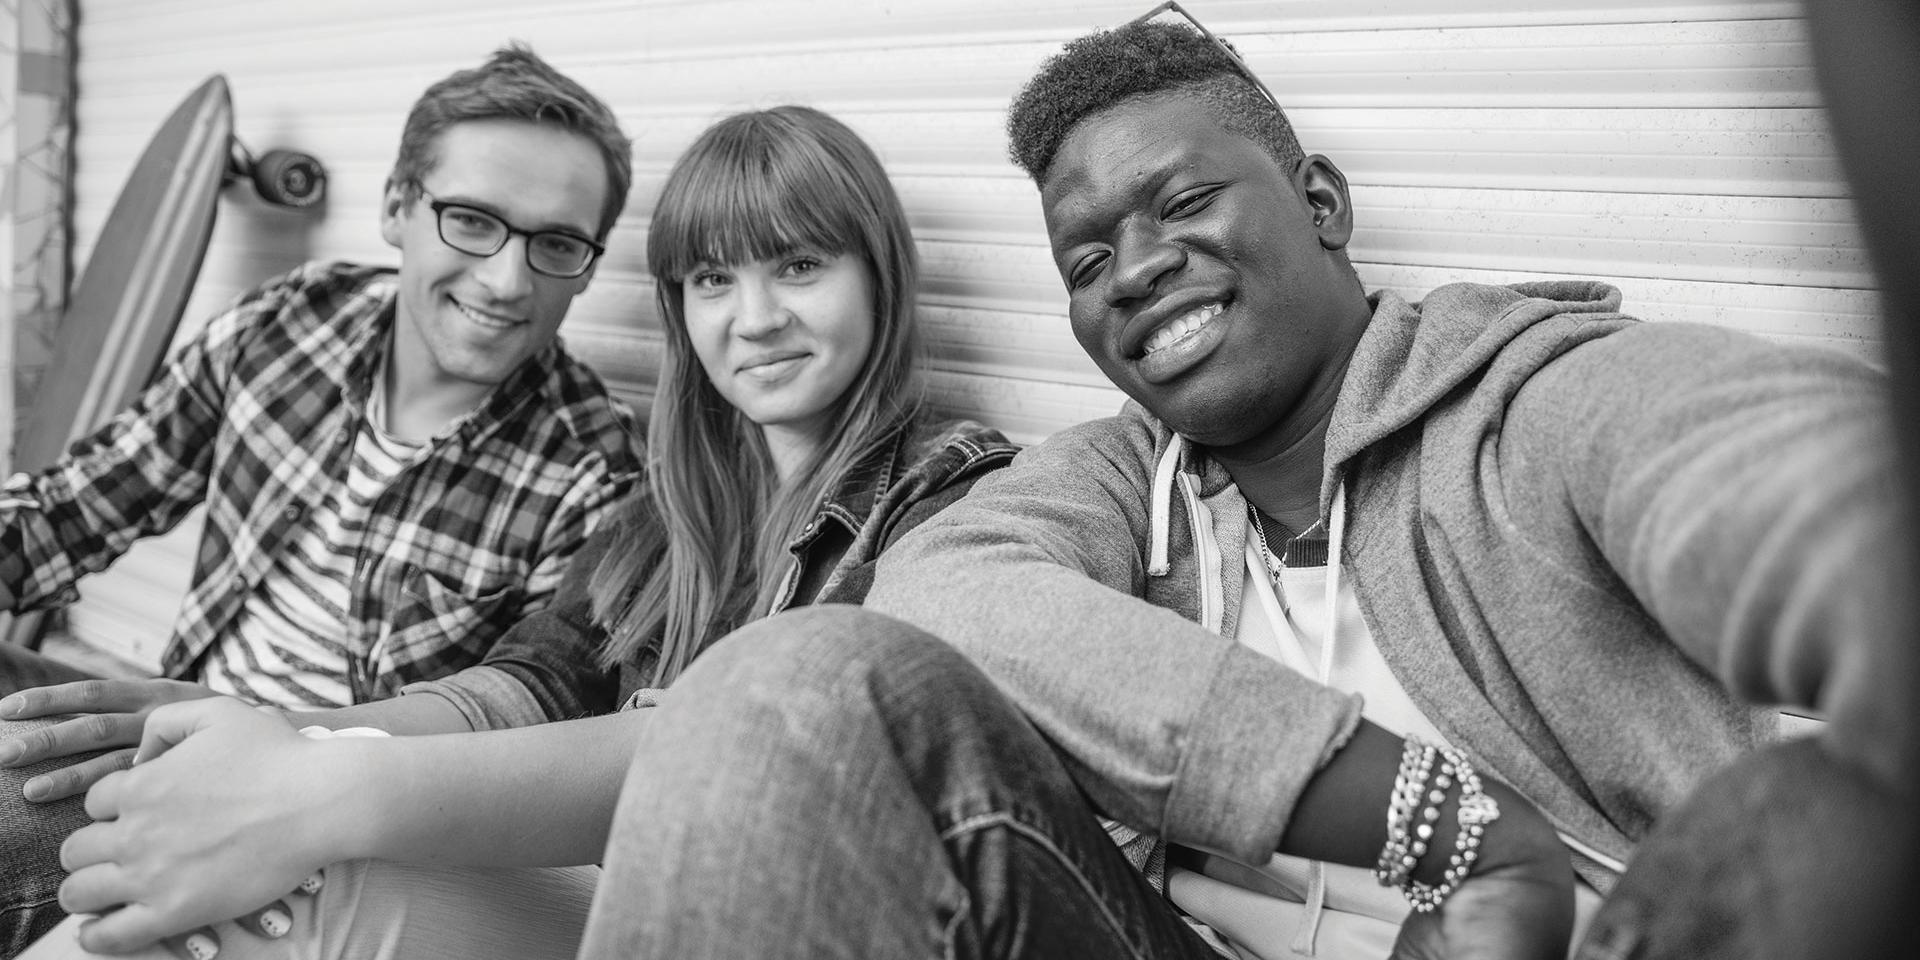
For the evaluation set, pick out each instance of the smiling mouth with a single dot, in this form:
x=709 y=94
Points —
x=1181 y=327
x=772 y=366
x=488 y=320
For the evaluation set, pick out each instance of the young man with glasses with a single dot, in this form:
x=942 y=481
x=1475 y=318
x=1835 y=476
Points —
x=396 y=464
x=1374 y=627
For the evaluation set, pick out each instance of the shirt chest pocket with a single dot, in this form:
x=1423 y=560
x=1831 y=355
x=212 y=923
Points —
x=438 y=625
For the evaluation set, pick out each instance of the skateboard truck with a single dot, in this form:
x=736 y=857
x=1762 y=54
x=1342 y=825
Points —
x=284 y=178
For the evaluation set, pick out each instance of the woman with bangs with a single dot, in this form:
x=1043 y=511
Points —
x=789 y=445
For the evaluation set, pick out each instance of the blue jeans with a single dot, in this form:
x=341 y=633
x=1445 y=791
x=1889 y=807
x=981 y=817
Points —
x=831 y=783
x=31 y=833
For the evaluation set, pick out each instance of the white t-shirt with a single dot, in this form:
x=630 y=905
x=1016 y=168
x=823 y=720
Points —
x=286 y=646
x=1262 y=909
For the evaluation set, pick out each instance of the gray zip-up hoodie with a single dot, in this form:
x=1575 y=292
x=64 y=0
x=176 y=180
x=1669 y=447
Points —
x=1584 y=544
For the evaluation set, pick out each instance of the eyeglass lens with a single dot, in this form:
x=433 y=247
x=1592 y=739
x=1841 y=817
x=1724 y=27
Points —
x=482 y=234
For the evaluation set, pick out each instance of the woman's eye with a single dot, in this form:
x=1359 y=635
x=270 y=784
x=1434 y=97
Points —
x=1190 y=203
x=707 y=280
x=802 y=267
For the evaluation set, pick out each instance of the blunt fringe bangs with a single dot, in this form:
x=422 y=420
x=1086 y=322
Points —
x=750 y=194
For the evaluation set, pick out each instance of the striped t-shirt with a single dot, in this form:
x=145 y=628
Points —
x=286 y=646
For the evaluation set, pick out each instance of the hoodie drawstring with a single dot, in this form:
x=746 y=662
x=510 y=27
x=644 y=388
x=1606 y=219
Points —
x=1303 y=941
x=1336 y=530
x=1160 y=509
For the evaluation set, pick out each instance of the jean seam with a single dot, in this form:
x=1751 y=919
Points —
x=1040 y=838
x=31 y=904
x=953 y=924
x=27 y=910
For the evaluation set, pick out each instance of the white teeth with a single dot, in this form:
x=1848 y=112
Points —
x=1167 y=335
x=483 y=318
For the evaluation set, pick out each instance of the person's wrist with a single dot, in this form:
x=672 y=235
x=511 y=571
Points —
x=351 y=802
x=1521 y=840
x=1458 y=825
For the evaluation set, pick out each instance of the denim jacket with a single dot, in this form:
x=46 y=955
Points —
x=545 y=667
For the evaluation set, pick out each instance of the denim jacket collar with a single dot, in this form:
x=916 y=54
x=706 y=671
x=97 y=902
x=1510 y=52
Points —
x=852 y=501
x=924 y=456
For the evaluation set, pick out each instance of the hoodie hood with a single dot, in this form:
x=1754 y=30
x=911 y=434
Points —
x=1413 y=355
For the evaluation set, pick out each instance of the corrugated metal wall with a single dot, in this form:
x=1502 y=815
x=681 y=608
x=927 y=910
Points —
x=1675 y=148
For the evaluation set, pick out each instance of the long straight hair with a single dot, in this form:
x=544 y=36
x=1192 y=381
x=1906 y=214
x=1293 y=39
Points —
x=711 y=553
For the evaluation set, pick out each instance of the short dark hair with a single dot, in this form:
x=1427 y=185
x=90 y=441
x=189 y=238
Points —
x=514 y=84
x=1102 y=70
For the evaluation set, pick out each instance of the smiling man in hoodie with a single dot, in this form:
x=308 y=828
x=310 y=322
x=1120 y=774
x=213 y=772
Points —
x=1332 y=528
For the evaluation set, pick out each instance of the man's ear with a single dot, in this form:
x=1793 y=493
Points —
x=393 y=214
x=1324 y=188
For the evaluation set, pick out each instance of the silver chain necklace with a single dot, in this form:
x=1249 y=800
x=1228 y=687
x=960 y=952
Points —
x=1274 y=567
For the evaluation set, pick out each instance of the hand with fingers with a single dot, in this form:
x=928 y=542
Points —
x=271 y=922
x=1516 y=901
x=1520 y=909
x=224 y=810
x=106 y=715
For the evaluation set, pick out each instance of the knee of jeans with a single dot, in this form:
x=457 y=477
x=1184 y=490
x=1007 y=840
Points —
x=11 y=778
x=812 y=648
x=31 y=833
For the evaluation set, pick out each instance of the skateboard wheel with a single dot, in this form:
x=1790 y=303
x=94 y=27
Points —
x=288 y=178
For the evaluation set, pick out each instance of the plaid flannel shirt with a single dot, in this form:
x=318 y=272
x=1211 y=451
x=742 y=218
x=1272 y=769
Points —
x=256 y=417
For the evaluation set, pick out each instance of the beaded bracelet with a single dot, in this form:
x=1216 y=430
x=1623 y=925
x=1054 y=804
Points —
x=1415 y=760
x=1476 y=811
x=1406 y=841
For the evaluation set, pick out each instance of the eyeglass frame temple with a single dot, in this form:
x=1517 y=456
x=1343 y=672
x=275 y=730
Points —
x=1232 y=54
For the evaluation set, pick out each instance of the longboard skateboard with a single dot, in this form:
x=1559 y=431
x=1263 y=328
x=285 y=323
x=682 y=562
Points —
x=124 y=311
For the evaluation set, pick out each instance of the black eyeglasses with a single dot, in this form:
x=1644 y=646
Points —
x=474 y=231
x=1233 y=55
